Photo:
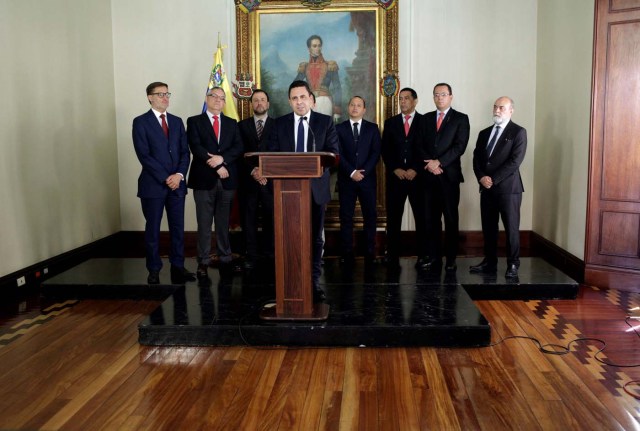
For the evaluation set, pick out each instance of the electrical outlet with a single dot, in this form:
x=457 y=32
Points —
x=21 y=281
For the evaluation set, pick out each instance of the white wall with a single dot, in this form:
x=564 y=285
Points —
x=478 y=56
x=172 y=42
x=58 y=168
x=484 y=50
x=565 y=34
x=74 y=75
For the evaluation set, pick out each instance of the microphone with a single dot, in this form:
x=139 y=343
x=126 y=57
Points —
x=313 y=136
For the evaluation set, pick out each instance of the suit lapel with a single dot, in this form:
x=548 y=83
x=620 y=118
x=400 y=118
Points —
x=506 y=134
x=157 y=128
x=206 y=124
x=291 y=133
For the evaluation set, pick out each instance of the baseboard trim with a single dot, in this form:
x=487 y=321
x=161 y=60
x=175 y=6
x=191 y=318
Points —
x=38 y=272
x=558 y=257
x=618 y=278
x=131 y=244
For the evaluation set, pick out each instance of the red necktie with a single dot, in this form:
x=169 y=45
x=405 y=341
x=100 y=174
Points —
x=165 y=128
x=216 y=126
x=406 y=125
x=439 y=123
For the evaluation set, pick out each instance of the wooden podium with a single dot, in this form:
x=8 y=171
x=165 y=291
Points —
x=291 y=174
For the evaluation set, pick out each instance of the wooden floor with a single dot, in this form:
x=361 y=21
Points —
x=78 y=366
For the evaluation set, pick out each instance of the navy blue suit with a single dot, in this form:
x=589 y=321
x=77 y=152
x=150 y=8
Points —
x=161 y=157
x=442 y=192
x=325 y=137
x=504 y=197
x=361 y=155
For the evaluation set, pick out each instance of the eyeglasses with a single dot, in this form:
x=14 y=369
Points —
x=441 y=94
x=216 y=97
x=167 y=95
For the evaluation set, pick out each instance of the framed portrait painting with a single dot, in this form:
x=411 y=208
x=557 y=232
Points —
x=342 y=50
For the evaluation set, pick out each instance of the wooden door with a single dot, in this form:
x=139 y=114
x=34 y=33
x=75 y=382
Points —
x=612 y=246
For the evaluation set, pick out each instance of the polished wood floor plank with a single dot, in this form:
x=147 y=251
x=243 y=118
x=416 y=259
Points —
x=299 y=389
x=398 y=409
x=350 y=407
x=572 y=387
x=436 y=407
x=313 y=405
x=332 y=397
x=83 y=369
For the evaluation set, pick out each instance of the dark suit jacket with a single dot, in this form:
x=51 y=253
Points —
x=202 y=140
x=504 y=164
x=364 y=155
x=160 y=156
x=326 y=139
x=252 y=144
x=398 y=149
x=446 y=145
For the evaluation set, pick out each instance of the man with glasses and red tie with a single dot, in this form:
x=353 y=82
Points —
x=442 y=139
x=214 y=140
x=160 y=143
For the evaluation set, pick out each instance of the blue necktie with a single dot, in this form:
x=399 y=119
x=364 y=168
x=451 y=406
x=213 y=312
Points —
x=493 y=142
x=300 y=141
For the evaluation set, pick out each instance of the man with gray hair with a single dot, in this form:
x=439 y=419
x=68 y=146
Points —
x=214 y=141
x=499 y=152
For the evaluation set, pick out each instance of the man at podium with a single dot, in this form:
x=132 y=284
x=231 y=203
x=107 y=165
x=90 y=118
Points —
x=304 y=130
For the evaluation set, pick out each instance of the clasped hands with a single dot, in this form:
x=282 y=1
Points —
x=408 y=175
x=357 y=175
x=486 y=182
x=173 y=181
x=215 y=161
x=256 y=176
x=433 y=166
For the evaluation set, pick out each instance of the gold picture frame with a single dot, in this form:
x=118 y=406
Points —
x=276 y=34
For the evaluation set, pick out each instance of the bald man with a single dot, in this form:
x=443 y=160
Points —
x=497 y=158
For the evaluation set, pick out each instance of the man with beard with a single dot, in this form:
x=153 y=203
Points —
x=497 y=158
x=255 y=192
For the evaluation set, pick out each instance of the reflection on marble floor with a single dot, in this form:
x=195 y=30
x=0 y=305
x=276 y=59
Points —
x=370 y=305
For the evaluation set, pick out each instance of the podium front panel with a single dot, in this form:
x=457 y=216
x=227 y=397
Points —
x=299 y=165
x=292 y=223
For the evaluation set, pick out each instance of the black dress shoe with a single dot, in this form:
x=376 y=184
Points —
x=153 y=278
x=318 y=295
x=347 y=259
x=450 y=266
x=249 y=264
x=512 y=271
x=392 y=262
x=484 y=267
x=202 y=271
x=421 y=261
x=429 y=264
x=179 y=275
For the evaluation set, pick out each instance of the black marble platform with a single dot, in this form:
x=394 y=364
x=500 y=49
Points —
x=370 y=305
